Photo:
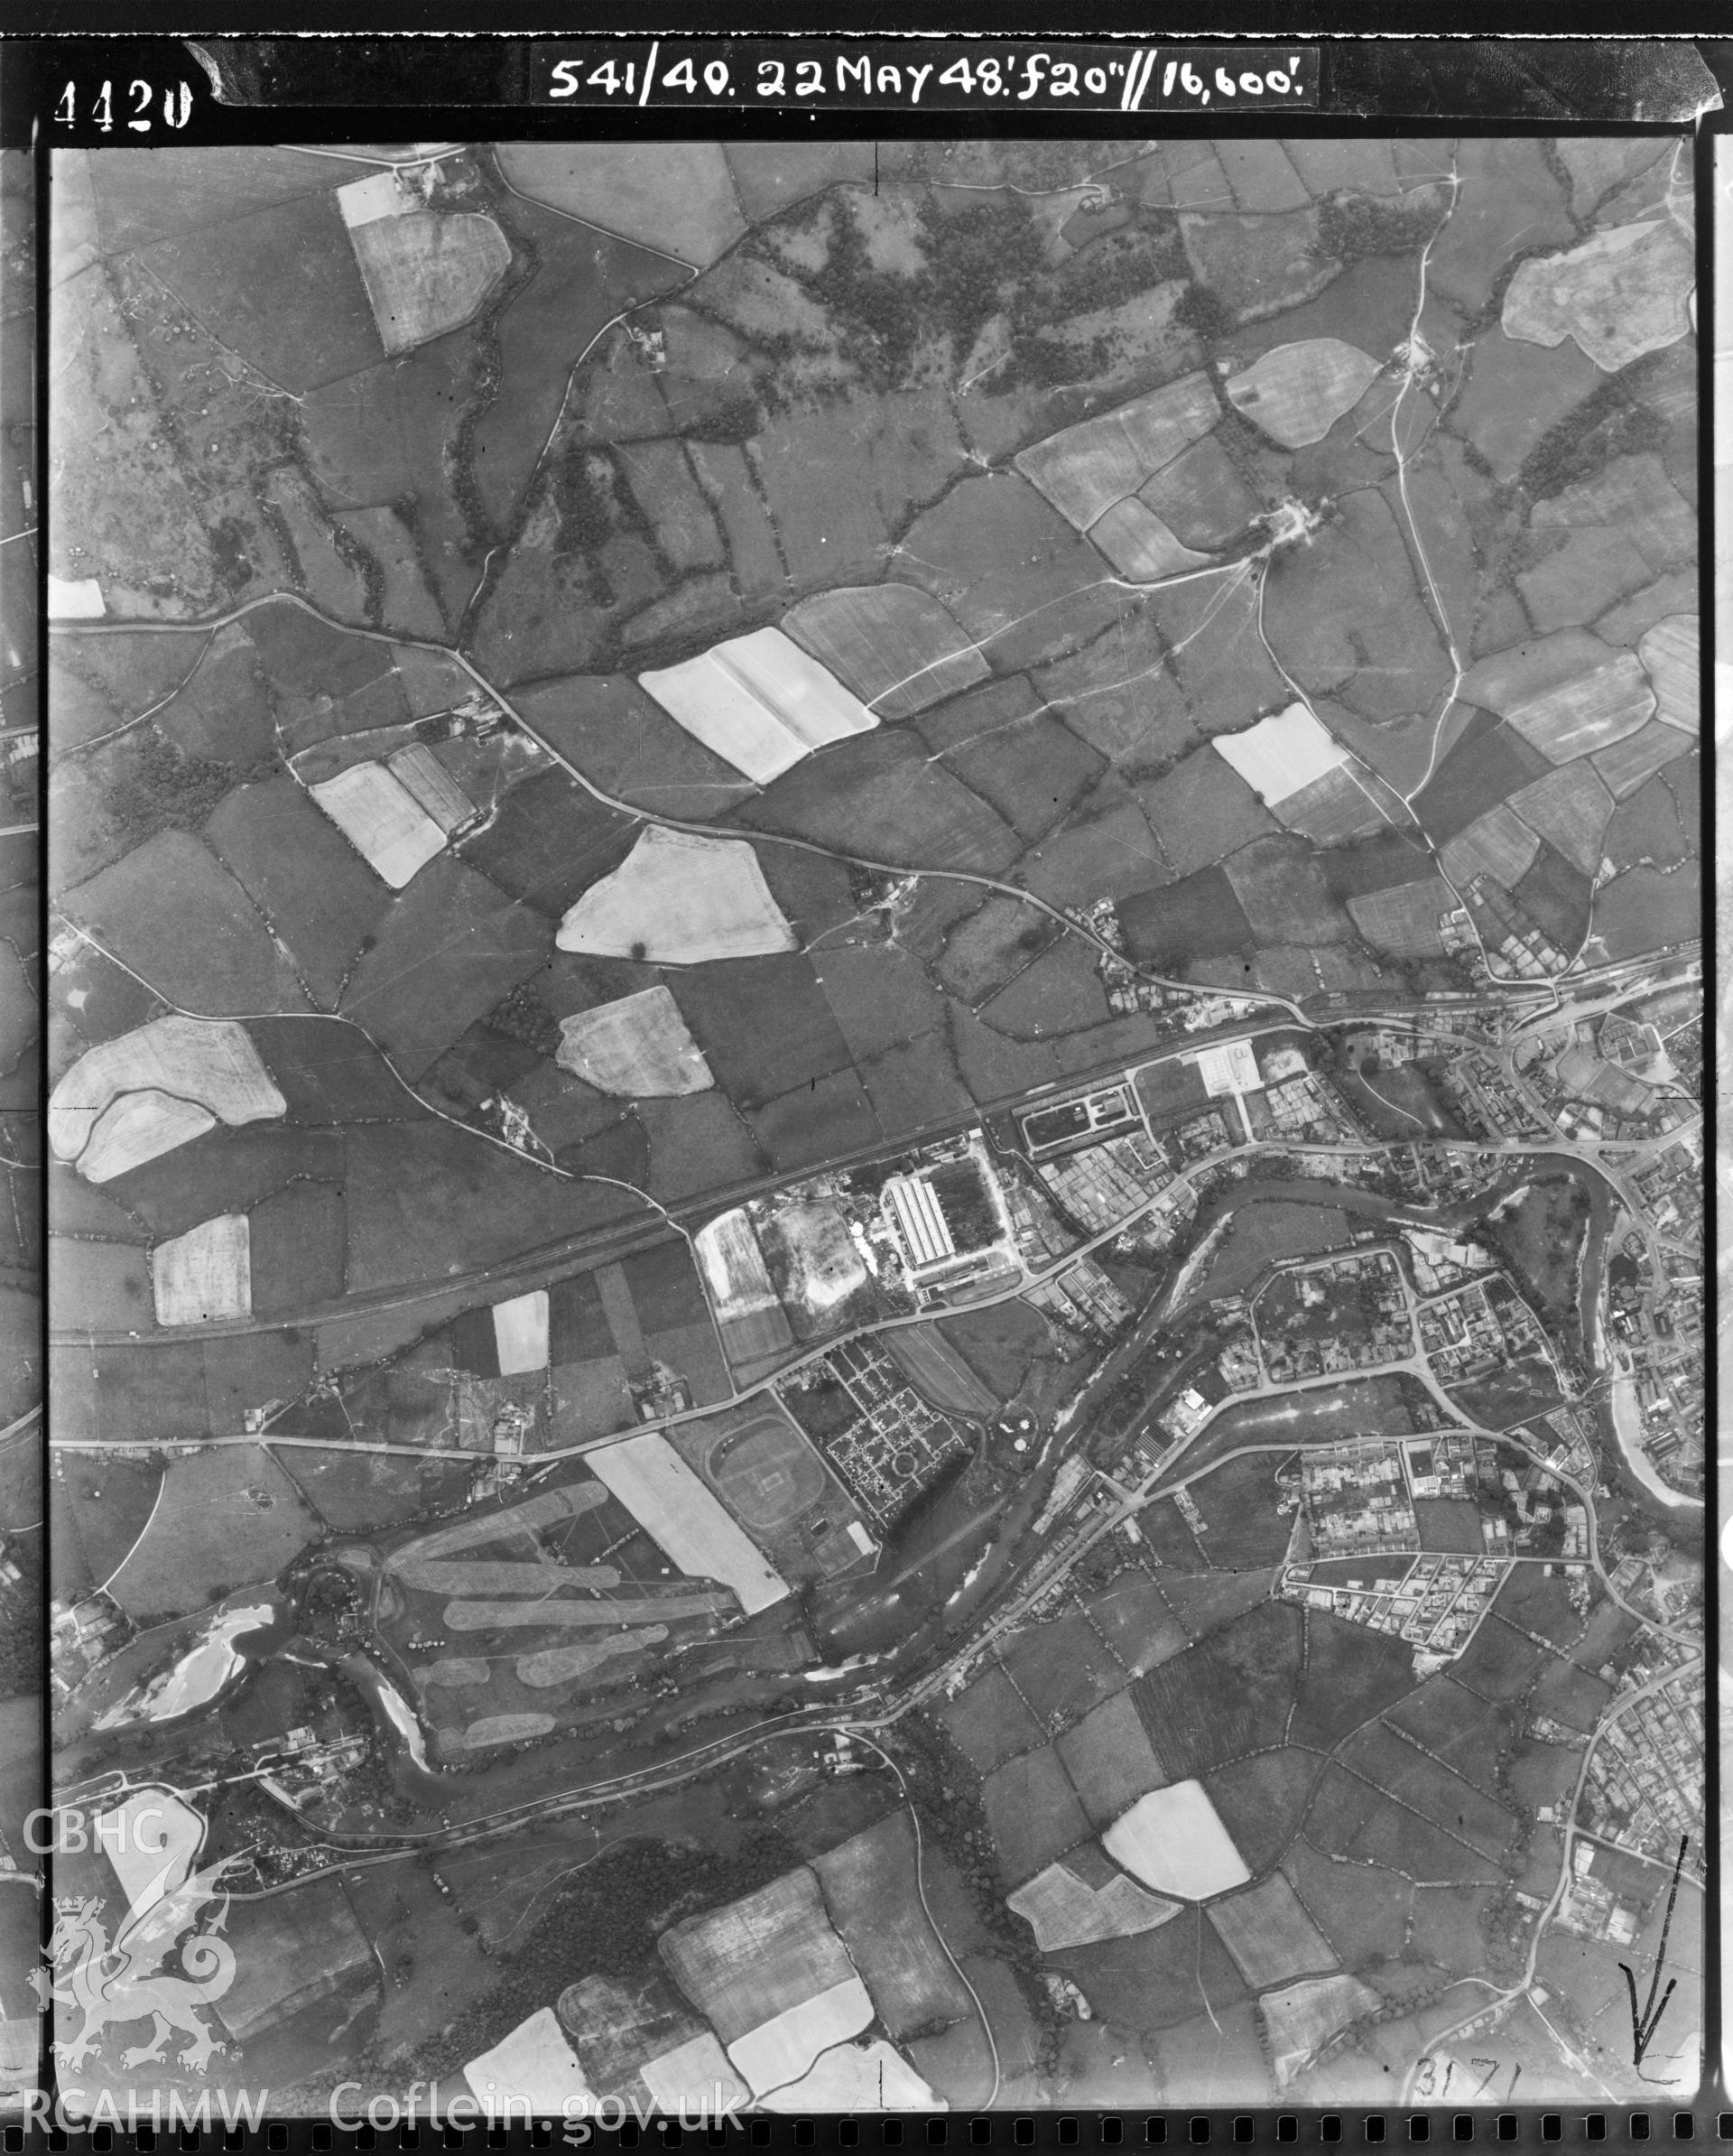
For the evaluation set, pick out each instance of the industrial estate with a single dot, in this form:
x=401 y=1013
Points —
x=876 y=1142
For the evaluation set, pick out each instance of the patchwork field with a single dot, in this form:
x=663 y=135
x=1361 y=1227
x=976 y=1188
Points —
x=1110 y=1759
x=868 y=1887
x=220 y=1514
x=590 y=682
x=991 y=1722
x=1229 y=1695
x=1085 y=1897
x=1269 y=1934
x=1032 y=1812
x=1261 y=1800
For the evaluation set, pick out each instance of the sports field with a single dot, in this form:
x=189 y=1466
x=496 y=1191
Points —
x=767 y=1474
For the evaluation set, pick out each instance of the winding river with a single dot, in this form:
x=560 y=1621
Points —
x=396 y=1720
x=246 y=1629
x=1622 y=1418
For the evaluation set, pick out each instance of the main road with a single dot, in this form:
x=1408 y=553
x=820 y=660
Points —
x=597 y=1246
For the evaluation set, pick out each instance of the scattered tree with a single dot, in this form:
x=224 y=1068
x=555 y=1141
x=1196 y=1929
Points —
x=1203 y=310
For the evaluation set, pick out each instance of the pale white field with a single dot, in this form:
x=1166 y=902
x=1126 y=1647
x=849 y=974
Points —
x=1174 y=1840
x=206 y=1274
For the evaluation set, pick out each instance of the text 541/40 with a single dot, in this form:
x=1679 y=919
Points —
x=1127 y=79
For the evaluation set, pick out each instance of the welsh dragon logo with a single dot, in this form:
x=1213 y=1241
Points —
x=125 y=1981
